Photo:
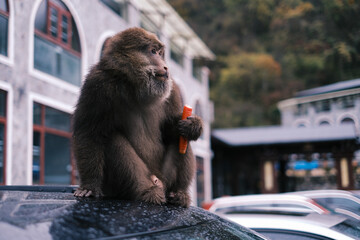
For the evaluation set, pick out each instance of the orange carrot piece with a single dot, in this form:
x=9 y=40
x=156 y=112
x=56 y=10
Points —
x=183 y=142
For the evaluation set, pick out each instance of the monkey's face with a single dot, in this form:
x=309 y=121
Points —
x=139 y=55
x=158 y=82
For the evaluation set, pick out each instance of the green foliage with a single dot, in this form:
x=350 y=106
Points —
x=269 y=49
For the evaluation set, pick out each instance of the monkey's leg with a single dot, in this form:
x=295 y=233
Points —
x=178 y=171
x=137 y=182
x=90 y=162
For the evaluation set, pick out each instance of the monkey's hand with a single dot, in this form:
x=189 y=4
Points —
x=87 y=192
x=155 y=194
x=179 y=198
x=191 y=128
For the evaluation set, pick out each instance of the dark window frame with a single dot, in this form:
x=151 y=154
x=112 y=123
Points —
x=3 y=120
x=42 y=129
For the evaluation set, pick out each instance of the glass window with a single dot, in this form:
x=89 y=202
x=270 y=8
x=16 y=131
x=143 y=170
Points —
x=57 y=44
x=348 y=121
x=2 y=103
x=57 y=160
x=4 y=7
x=103 y=47
x=322 y=106
x=52 y=163
x=36 y=158
x=2 y=157
x=37 y=114
x=197 y=69
x=4 y=22
x=147 y=24
x=309 y=172
x=119 y=7
x=57 y=119
x=198 y=112
x=3 y=96
x=176 y=54
x=53 y=22
x=347 y=102
x=200 y=180
x=301 y=109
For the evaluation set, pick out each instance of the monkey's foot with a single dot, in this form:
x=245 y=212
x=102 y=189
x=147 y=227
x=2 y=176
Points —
x=179 y=198
x=155 y=195
x=83 y=192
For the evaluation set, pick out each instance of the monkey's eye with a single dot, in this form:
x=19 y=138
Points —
x=153 y=51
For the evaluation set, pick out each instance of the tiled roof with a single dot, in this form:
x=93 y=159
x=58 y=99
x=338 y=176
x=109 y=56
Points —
x=283 y=135
x=339 y=86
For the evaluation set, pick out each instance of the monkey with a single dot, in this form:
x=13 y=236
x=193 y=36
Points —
x=127 y=124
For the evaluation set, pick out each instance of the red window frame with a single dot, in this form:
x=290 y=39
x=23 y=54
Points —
x=58 y=39
x=3 y=121
x=6 y=14
x=42 y=130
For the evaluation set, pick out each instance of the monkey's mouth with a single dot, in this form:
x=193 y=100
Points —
x=162 y=75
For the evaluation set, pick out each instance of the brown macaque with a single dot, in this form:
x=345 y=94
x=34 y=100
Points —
x=127 y=124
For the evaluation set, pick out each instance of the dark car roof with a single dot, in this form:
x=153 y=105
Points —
x=54 y=213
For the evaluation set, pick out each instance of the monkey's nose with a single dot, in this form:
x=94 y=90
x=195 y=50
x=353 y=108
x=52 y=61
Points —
x=166 y=68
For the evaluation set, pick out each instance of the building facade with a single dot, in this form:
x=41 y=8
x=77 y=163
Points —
x=316 y=146
x=332 y=105
x=47 y=48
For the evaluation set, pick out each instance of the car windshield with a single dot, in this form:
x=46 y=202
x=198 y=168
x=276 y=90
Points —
x=340 y=203
x=267 y=208
x=348 y=227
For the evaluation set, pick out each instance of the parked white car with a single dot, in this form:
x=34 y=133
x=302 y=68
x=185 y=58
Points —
x=311 y=226
x=339 y=201
x=273 y=203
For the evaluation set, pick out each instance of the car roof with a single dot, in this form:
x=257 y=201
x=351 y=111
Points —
x=226 y=202
x=45 y=212
x=312 y=223
x=328 y=193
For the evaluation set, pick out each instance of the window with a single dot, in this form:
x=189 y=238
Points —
x=322 y=106
x=200 y=180
x=348 y=121
x=52 y=161
x=119 y=7
x=149 y=25
x=301 y=109
x=103 y=47
x=347 y=102
x=3 y=101
x=176 y=54
x=57 y=43
x=198 y=112
x=4 y=23
x=324 y=123
x=197 y=69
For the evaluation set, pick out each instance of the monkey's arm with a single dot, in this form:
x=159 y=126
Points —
x=190 y=128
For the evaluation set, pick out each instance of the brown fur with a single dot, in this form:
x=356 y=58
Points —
x=127 y=125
